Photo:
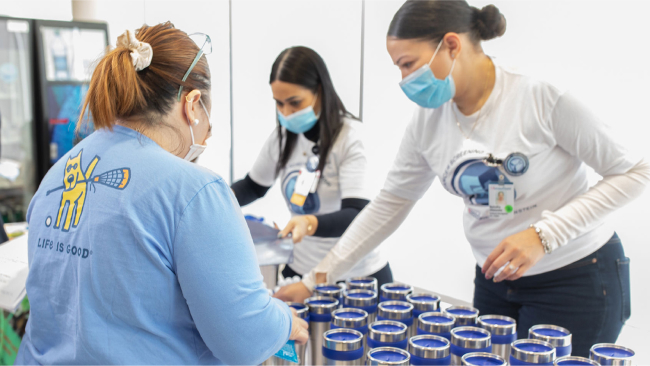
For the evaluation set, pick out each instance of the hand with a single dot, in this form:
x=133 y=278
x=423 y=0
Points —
x=523 y=250
x=296 y=292
x=299 y=327
x=299 y=227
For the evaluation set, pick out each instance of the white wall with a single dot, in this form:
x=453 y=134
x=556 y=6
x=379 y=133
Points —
x=40 y=9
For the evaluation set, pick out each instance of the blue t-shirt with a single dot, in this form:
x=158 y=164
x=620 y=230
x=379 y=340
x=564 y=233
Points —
x=139 y=257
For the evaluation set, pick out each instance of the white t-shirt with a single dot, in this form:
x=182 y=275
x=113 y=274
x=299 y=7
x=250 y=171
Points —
x=556 y=133
x=343 y=177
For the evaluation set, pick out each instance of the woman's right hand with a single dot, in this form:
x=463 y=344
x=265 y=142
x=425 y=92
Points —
x=299 y=332
x=296 y=292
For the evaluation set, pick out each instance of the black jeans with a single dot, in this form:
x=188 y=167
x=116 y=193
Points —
x=384 y=275
x=590 y=297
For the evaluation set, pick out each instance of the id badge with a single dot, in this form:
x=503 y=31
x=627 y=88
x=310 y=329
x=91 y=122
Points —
x=502 y=200
x=303 y=186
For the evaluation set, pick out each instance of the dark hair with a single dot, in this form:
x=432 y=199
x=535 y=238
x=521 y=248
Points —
x=432 y=19
x=118 y=91
x=303 y=66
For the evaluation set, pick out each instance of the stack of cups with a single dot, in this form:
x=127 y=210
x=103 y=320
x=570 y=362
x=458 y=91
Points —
x=466 y=340
x=342 y=347
x=351 y=318
x=437 y=324
x=302 y=311
x=398 y=311
x=503 y=330
x=483 y=359
x=394 y=292
x=387 y=334
x=361 y=283
x=429 y=350
x=422 y=303
x=465 y=315
x=611 y=354
x=320 y=316
x=331 y=290
x=362 y=299
x=532 y=352
x=388 y=356
x=559 y=337
x=575 y=361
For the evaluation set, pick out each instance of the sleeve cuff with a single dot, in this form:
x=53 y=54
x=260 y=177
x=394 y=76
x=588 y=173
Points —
x=549 y=235
x=309 y=280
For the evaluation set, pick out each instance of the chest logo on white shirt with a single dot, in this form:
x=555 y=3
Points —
x=312 y=202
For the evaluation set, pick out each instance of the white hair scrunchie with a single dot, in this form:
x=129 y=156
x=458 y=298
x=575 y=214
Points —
x=141 y=52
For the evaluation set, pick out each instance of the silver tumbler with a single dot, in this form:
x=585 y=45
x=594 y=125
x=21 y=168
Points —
x=574 y=360
x=503 y=330
x=320 y=317
x=465 y=315
x=429 y=349
x=361 y=283
x=351 y=318
x=611 y=354
x=482 y=358
x=342 y=347
x=388 y=356
x=559 y=337
x=332 y=290
x=302 y=311
x=531 y=351
x=364 y=300
x=394 y=291
x=387 y=333
x=466 y=340
x=422 y=303
x=400 y=311
x=436 y=323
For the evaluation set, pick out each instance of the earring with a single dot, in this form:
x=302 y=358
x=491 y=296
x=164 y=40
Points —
x=196 y=122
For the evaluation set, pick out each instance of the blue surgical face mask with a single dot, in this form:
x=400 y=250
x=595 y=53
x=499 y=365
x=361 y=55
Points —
x=299 y=122
x=422 y=87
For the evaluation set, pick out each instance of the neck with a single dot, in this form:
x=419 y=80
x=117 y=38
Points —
x=480 y=76
x=314 y=133
x=166 y=138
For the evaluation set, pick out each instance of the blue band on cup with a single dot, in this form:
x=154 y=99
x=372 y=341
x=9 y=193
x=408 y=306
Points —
x=460 y=351
x=563 y=351
x=408 y=321
x=368 y=309
x=415 y=360
x=504 y=339
x=363 y=330
x=320 y=318
x=375 y=344
x=343 y=355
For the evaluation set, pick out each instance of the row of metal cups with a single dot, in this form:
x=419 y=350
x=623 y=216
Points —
x=399 y=321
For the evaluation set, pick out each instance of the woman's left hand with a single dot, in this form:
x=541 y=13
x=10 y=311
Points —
x=522 y=250
x=299 y=227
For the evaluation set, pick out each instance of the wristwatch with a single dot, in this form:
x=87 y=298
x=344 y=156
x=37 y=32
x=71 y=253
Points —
x=542 y=238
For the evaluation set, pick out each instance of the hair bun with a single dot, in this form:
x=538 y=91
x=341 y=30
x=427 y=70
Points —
x=489 y=22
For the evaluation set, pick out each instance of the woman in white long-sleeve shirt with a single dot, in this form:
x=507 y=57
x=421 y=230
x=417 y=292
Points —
x=548 y=255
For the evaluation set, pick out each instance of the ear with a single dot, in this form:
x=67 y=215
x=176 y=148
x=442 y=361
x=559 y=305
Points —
x=80 y=151
x=190 y=105
x=452 y=44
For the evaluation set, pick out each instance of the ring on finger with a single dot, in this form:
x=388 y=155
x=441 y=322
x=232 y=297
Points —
x=511 y=267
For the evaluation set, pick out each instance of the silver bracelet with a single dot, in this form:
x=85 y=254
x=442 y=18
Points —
x=545 y=243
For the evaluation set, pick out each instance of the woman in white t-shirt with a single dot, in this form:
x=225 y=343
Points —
x=312 y=123
x=547 y=256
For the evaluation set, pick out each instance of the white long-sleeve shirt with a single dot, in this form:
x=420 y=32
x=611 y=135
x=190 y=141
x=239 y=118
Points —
x=558 y=135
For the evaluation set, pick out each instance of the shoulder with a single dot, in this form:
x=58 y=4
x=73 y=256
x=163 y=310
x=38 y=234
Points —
x=517 y=84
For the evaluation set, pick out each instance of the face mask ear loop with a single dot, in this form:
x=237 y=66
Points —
x=453 y=63
x=435 y=53
x=192 y=133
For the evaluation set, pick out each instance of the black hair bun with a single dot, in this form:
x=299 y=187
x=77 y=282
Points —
x=489 y=23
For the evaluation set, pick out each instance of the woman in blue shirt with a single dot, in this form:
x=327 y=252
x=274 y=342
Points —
x=128 y=264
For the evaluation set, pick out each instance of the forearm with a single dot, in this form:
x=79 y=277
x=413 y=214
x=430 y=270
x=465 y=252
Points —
x=247 y=191
x=371 y=227
x=334 y=224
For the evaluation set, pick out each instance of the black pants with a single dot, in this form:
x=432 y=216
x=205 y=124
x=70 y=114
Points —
x=384 y=275
x=590 y=297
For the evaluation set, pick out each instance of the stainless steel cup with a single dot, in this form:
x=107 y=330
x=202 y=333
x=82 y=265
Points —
x=466 y=340
x=436 y=323
x=574 y=360
x=330 y=289
x=465 y=315
x=342 y=347
x=387 y=333
x=429 y=349
x=320 y=317
x=503 y=330
x=351 y=318
x=611 y=354
x=394 y=291
x=400 y=311
x=482 y=358
x=532 y=351
x=388 y=356
x=364 y=300
x=559 y=337
x=361 y=283
x=422 y=303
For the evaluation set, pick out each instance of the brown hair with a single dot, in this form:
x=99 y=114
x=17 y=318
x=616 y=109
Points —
x=118 y=91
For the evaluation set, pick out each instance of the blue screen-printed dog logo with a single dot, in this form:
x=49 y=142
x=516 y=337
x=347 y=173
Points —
x=312 y=203
x=77 y=182
x=472 y=178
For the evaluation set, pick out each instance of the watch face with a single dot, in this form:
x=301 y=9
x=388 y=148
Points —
x=516 y=164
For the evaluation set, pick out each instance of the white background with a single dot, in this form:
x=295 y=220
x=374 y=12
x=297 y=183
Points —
x=597 y=49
